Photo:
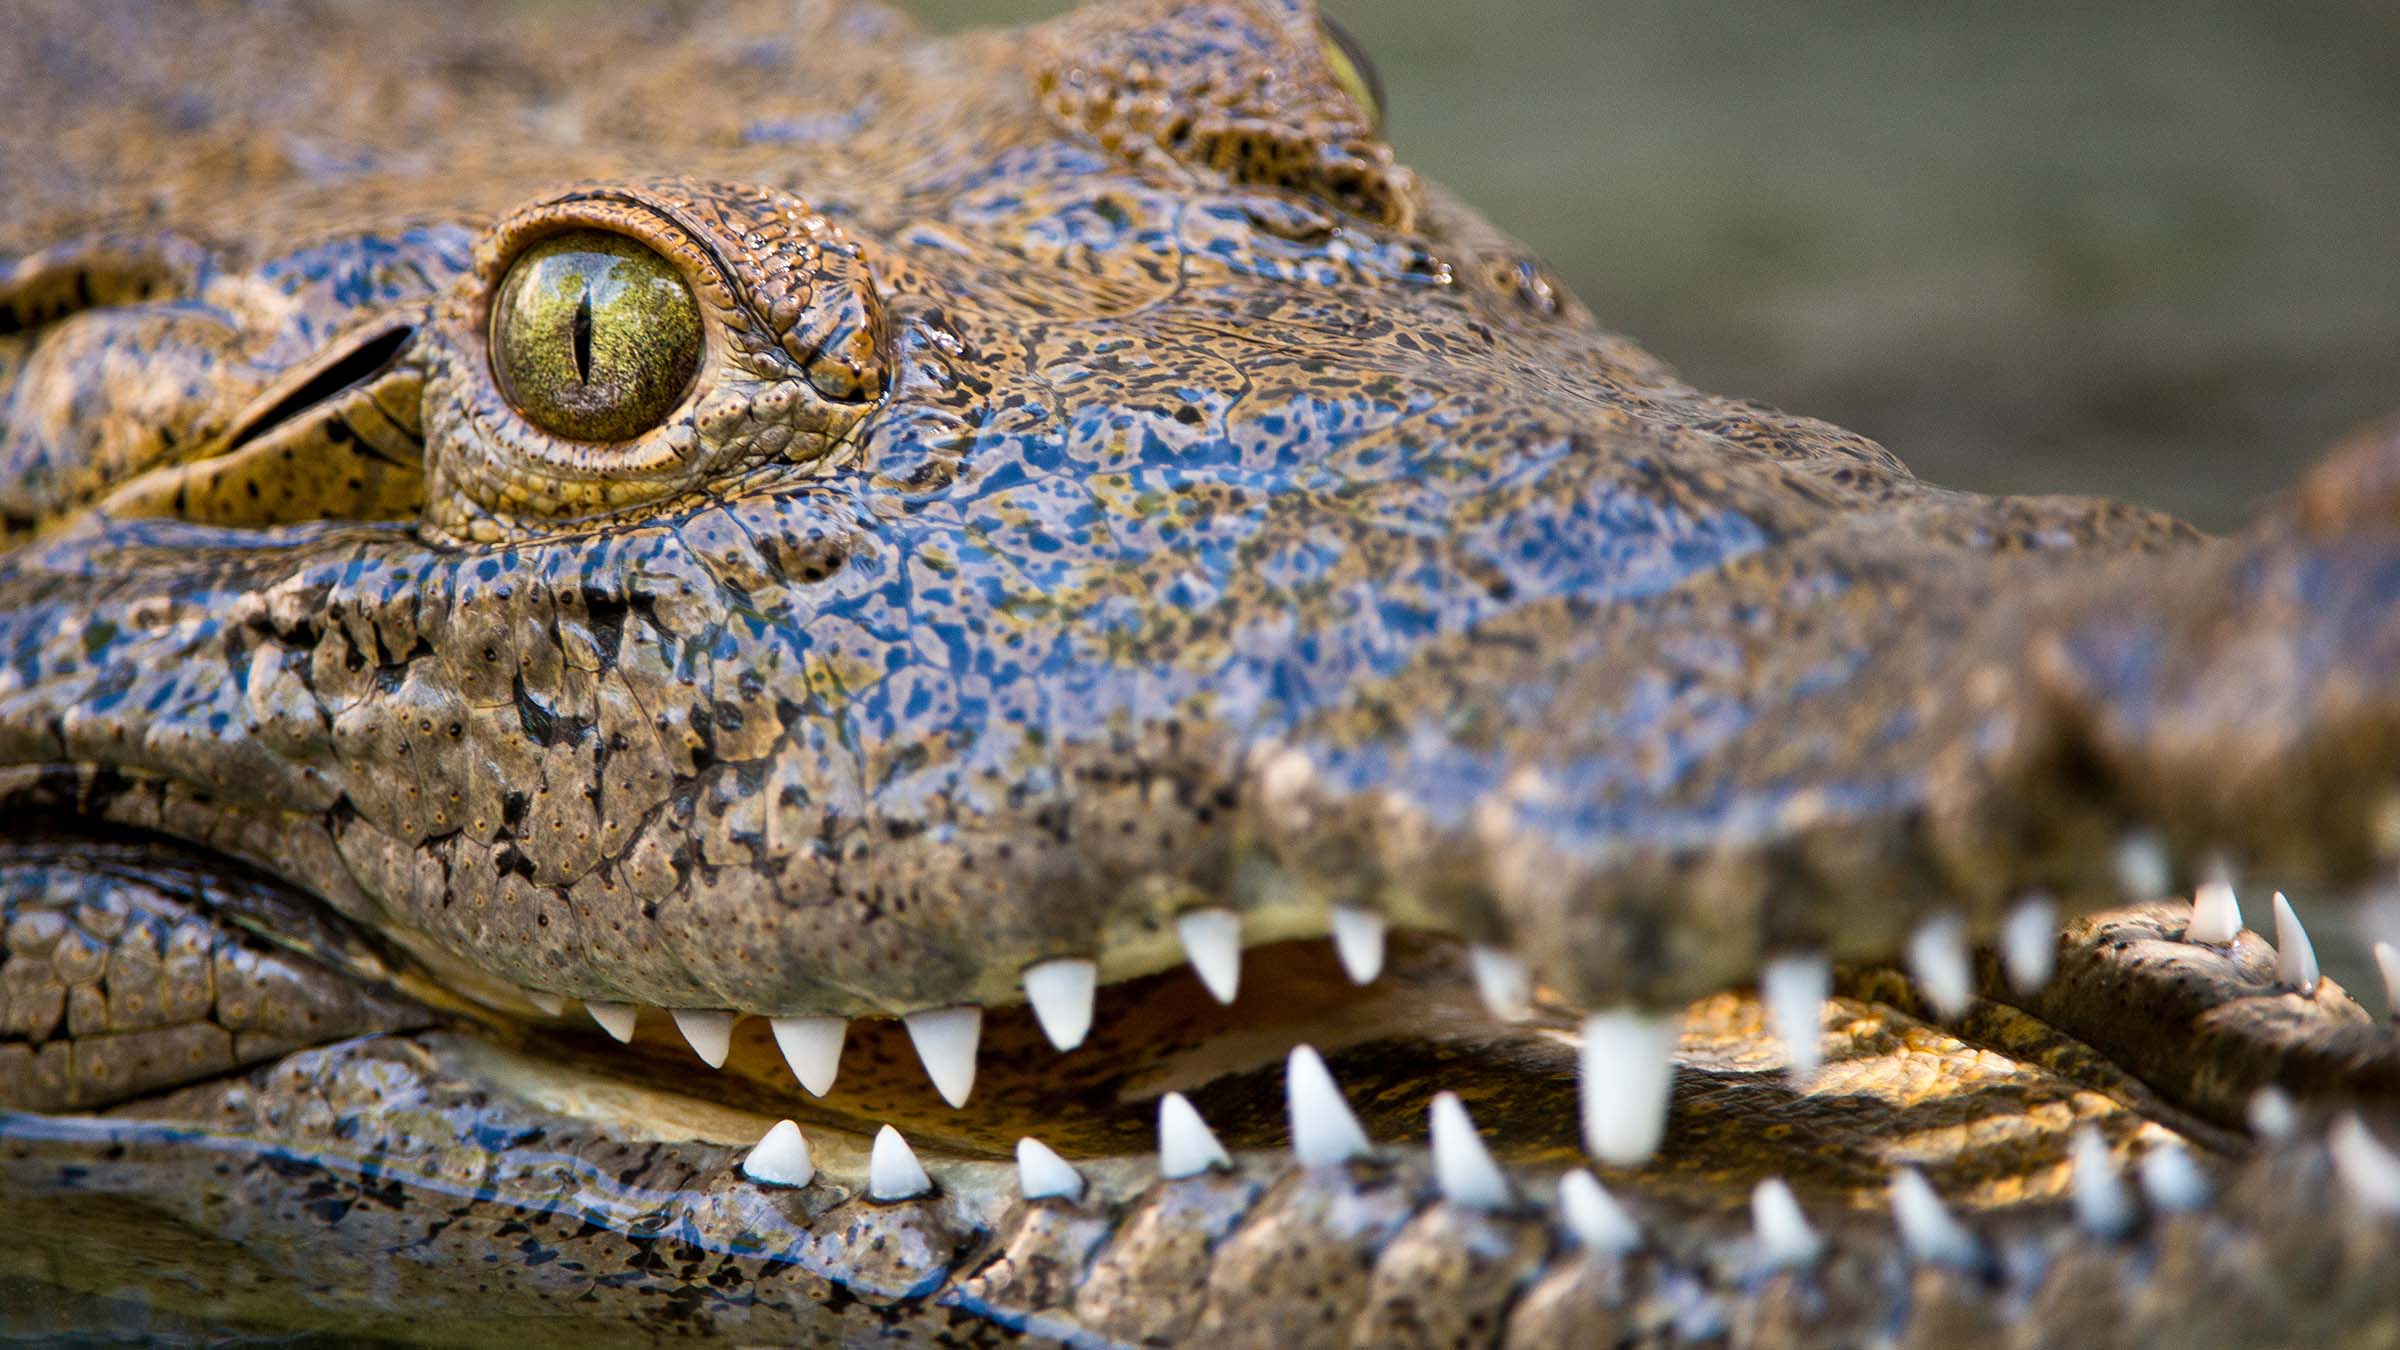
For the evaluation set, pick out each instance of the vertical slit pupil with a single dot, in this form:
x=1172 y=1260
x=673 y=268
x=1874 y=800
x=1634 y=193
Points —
x=583 y=337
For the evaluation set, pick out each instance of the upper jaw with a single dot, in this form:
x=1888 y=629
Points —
x=1640 y=801
x=2028 y=768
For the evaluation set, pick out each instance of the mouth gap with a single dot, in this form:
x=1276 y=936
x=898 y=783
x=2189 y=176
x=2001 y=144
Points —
x=1152 y=1035
x=1420 y=1028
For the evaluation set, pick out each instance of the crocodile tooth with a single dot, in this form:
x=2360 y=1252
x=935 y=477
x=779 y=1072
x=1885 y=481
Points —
x=893 y=1172
x=2295 y=955
x=781 y=1158
x=1186 y=1146
x=1628 y=1072
x=2216 y=915
x=945 y=1039
x=813 y=1047
x=710 y=1034
x=1795 y=989
x=1323 y=1130
x=2143 y=871
x=2029 y=943
x=1931 y=1235
x=1504 y=982
x=1461 y=1164
x=1212 y=940
x=1358 y=941
x=614 y=1018
x=550 y=1004
x=1061 y=994
x=1043 y=1175
x=2370 y=1172
x=2387 y=960
x=2102 y=1205
x=1594 y=1217
x=2271 y=1114
x=2172 y=1181
x=1785 y=1239
x=1937 y=956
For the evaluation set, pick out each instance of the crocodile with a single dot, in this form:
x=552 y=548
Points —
x=718 y=672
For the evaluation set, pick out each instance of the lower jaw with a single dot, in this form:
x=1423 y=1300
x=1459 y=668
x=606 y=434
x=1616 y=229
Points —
x=1986 y=1107
x=608 y=1185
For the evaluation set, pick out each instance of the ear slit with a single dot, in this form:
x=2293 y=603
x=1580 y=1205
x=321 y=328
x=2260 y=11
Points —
x=368 y=355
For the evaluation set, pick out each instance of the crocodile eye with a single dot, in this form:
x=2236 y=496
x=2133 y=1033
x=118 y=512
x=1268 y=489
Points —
x=594 y=336
x=1351 y=69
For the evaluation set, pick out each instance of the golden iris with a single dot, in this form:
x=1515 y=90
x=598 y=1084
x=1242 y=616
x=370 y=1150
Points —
x=594 y=336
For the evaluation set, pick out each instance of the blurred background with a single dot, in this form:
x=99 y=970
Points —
x=2147 y=248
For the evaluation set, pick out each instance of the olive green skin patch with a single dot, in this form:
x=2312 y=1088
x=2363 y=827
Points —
x=594 y=336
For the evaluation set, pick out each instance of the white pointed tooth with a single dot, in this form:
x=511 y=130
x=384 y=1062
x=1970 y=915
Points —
x=945 y=1039
x=2172 y=1181
x=781 y=1158
x=1061 y=994
x=1928 y=1231
x=2370 y=1172
x=1043 y=1175
x=1795 y=989
x=551 y=1004
x=813 y=1047
x=1358 y=941
x=2387 y=961
x=1186 y=1146
x=2271 y=1114
x=1937 y=956
x=1594 y=1217
x=1323 y=1130
x=1504 y=982
x=1212 y=940
x=1461 y=1164
x=893 y=1172
x=616 y=1019
x=1628 y=1073
x=1785 y=1238
x=2102 y=1204
x=710 y=1034
x=2142 y=869
x=2029 y=943
x=2216 y=915
x=2295 y=955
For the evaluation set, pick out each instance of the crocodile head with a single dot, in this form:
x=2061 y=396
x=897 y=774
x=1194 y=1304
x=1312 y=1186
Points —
x=790 y=535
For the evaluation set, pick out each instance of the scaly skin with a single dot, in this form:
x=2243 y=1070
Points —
x=1114 y=487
